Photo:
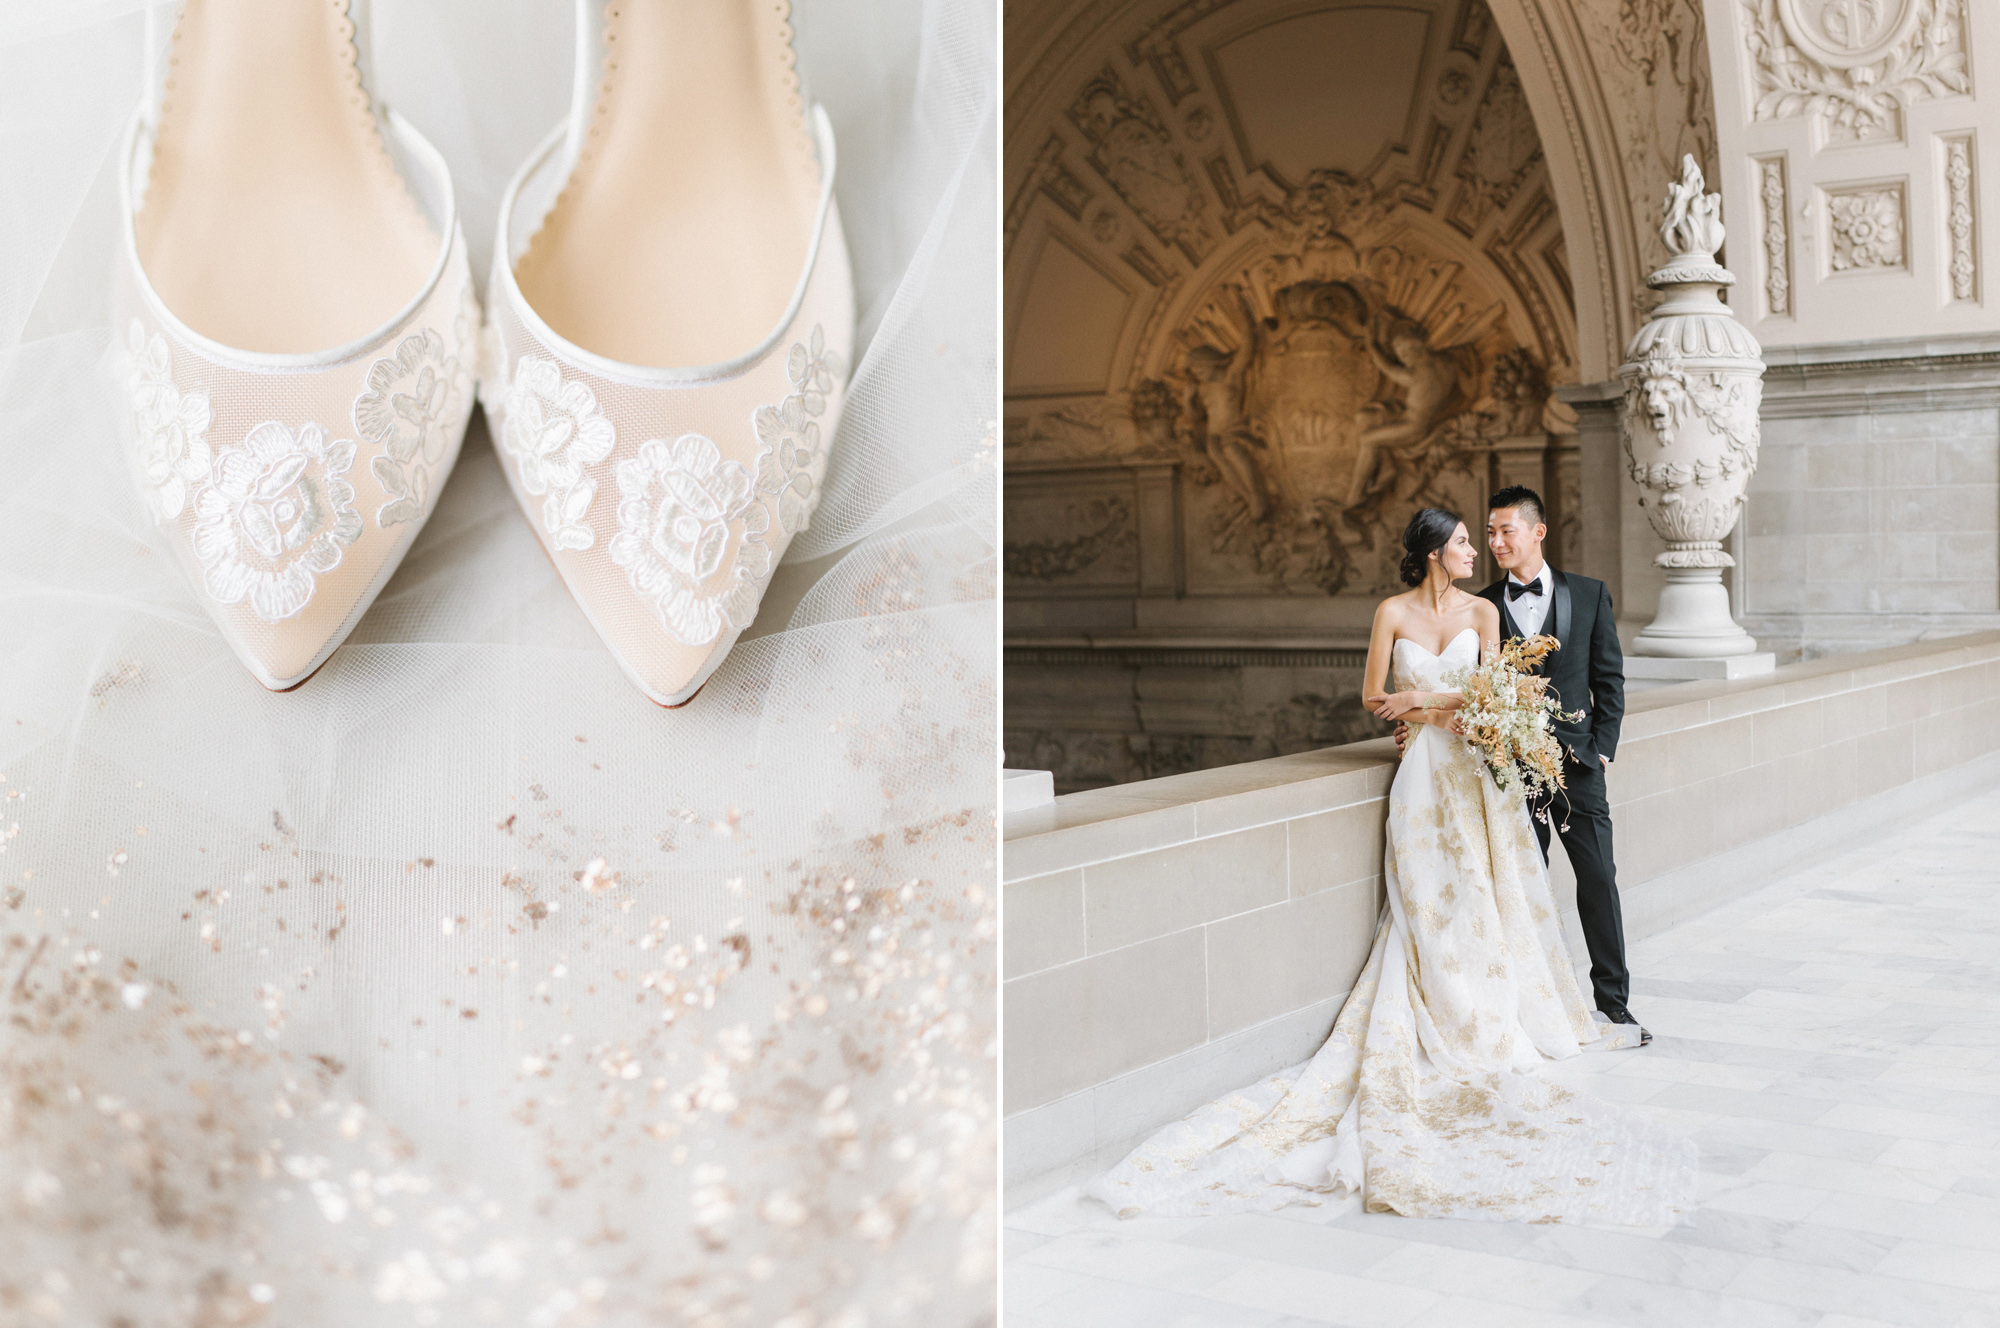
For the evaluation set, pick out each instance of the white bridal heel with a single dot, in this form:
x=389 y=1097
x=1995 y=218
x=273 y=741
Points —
x=673 y=314
x=300 y=327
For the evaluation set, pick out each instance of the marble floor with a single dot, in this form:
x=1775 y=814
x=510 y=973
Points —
x=1831 y=1041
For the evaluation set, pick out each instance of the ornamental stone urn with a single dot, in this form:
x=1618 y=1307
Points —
x=1693 y=380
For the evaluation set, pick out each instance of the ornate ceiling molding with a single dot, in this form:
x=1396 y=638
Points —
x=1630 y=85
x=1125 y=148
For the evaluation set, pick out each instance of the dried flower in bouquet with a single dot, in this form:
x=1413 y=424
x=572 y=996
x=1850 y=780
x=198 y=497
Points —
x=1510 y=716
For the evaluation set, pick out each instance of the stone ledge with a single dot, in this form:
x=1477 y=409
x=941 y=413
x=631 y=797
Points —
x=1690 y=705
x=1082 y=828
x=1885 y=351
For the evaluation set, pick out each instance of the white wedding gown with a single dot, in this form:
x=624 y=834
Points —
x=1425 y=1098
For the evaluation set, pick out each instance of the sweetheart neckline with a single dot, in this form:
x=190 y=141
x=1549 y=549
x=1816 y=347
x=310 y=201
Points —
x=1437 y=654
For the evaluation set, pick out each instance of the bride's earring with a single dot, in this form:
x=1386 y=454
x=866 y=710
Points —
x=674 y=316
x=298 y=319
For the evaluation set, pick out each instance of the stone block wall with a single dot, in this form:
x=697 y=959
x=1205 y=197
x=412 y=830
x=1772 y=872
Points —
x=1874 y=515
x=1141 y=933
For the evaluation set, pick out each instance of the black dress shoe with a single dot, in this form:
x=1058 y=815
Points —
x=1621 y=1015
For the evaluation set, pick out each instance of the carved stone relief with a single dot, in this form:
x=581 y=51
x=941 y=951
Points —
x=1666 y=394
x=1659 y=91
x=1777 y=236
x=1475 y=25
x=1132 y=150
x=1329 y=391
x=1959 y=218
x=1454 y=86
x=1102 y=525
x=1499 y=152
x=1101 y=428
x=1348 y=363
x=1069 y=193
x=1865 y=225
x=1569 y=504
x=1049 y=177
x=1852 y=64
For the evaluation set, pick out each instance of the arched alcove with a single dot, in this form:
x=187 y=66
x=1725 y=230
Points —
x=1278 y=272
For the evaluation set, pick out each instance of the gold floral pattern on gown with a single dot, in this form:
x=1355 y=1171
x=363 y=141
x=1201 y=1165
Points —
x=1425 y=1098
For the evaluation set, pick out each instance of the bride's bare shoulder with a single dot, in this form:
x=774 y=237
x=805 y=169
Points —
x=1485 y=612
x=1393 y=609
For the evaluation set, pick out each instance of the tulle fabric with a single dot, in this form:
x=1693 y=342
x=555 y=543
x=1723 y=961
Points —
x=1425 y=1099
x=464 y=985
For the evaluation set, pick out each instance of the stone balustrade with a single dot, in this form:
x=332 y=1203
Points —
x=1171 y=939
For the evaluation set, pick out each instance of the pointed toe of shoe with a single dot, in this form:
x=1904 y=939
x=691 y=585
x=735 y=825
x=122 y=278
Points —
x=290 y=493
x=667 y=527
x=666 y=497
x=672 y=682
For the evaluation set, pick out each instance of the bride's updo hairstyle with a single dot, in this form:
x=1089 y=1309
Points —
x=1428 y=531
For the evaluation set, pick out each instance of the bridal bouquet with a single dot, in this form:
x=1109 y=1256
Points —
x=1509 y=715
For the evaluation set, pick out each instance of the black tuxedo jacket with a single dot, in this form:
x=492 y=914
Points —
x=1588 y=673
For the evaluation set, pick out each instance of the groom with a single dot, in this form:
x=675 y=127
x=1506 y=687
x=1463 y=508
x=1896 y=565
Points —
x=1587 y=674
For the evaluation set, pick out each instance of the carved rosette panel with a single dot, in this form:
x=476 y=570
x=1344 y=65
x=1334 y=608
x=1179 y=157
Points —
x=1960 y=223
x=1865 y=227
x=1853 y=64
x=1777 y=236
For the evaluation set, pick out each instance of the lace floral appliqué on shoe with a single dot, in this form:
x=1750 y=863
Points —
x=553 y=431
x=275 y=513
x=173 y=449
x=813 y=370
x=413 y=398
x=690 y=536
x=792 y=462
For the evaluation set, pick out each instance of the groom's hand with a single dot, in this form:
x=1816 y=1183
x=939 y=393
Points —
x=1402 y=736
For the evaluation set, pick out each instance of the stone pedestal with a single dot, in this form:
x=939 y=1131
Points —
x=1693 y=621
x=1645 y=672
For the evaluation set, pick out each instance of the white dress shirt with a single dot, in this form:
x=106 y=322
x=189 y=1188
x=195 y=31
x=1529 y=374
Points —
x=1531 y=610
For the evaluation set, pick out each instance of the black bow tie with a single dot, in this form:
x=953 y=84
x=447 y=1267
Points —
x=1515 y=589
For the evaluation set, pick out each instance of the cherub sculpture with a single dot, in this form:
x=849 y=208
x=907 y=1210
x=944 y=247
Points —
x=1217 y=385
x=1430 y=381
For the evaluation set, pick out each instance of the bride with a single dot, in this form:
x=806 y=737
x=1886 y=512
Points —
x=1425 y=1099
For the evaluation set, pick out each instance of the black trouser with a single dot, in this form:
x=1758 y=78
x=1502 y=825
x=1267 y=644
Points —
x=1582 y=816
